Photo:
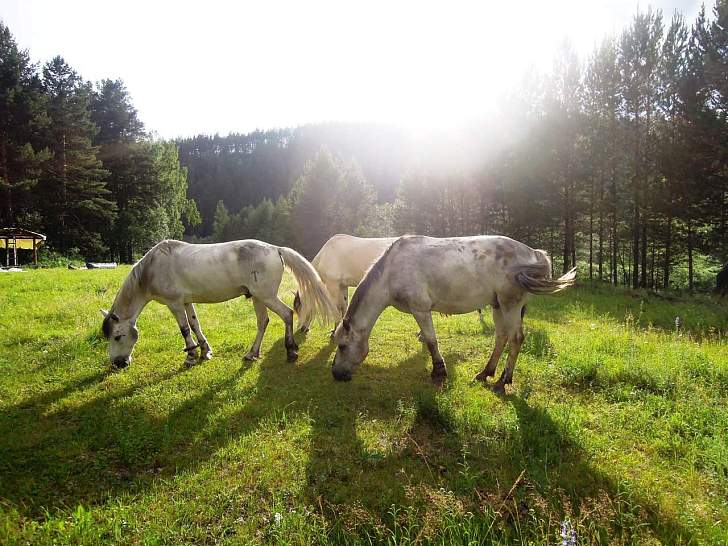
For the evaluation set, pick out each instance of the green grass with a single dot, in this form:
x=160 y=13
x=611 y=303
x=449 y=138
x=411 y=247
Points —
x=618 y=421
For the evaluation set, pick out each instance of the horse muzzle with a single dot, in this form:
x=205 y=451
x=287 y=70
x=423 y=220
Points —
x=341 y=375
x=121 y=361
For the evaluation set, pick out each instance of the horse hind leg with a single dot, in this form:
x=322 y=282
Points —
x=286 y=314
x=261 y=315
x=501 y=337
x=514 y=325
x=205 y=349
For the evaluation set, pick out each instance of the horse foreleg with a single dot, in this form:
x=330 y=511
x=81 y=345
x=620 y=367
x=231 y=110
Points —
x=205 y=349
x=178 y=310
x=513 y=318
x=501 y=337
x=286 y=314
x=427 y=329
x=344 y=299
x=261 y=314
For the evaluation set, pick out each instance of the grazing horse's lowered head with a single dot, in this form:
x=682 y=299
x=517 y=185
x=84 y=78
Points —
x=352 y=349
x=122 y=335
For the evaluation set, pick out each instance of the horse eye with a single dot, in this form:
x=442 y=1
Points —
x=117 y=338
x=342 y=348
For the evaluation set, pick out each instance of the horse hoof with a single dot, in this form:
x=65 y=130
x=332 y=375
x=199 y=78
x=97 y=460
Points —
x=206 y=356
x=482 y=376
x=292 y=356
x=498 y=388
x=189 y=363
x=250 y=357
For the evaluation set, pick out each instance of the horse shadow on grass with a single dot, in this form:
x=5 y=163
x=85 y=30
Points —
x=112 y=445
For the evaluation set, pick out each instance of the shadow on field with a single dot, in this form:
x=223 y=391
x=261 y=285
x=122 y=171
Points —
x=113 y=444
x=558 y=473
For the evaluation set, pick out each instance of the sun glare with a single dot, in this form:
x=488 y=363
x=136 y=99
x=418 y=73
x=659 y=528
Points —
x=237 y=66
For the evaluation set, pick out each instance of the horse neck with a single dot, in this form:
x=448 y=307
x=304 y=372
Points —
x=372 y=304
x=130 y=300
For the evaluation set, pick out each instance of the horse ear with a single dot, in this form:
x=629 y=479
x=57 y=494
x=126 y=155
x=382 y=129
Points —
x=345 y=324
x=112 y=316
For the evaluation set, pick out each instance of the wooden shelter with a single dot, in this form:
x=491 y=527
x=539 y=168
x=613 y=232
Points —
x=14 y=238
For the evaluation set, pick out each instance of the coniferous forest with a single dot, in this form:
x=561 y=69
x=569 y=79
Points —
x=616 y=163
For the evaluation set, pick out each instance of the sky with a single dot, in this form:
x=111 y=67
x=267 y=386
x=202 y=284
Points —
x=218 y=67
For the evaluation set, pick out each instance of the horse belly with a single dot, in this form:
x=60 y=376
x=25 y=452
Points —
x=213 y=285
x=460 y=306
x=465 y=296
x=213 y=295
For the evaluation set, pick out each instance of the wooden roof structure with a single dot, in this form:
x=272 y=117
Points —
x=14 y=238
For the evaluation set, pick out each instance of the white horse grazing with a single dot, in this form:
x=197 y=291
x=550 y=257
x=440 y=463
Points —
x=341 y=263
x=457 y=275
x=179 y=274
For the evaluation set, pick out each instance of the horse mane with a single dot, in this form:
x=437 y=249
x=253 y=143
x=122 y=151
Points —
x=131 y=284
x=370 y=277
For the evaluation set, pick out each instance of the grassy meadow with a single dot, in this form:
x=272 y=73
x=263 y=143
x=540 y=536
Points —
x=616 y=426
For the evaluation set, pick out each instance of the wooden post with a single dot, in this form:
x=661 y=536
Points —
x=35 y=253
x=15 y=251
x=7 y=252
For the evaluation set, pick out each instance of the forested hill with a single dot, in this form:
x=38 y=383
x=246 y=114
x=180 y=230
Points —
x=244 y=169
x=616 y=163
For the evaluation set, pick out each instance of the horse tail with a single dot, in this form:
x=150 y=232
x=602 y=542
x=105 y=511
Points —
x=536 y=277
x=315 y=300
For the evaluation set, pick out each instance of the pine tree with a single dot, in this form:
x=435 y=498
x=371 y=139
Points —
x=21 y=119
x=77 y=201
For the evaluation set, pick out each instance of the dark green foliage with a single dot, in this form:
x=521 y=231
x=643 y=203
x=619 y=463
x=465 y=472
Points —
x=329 y=197
x=76 y=164
x=76 y=203
x=617 y=165
x=22 y=117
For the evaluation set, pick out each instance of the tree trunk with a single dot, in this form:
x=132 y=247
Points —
x=600 y=227
x=635 y=242
x=615 y=240
x=690 y=255
x=64 y=197
x=6 y=209
x=668 y=253
x=591 y=232
x=643 y=255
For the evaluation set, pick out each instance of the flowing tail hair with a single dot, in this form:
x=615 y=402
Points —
x=536 y=277
x=315 y=300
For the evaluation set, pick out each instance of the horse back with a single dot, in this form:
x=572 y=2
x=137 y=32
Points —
x=212 y=272
x=345 y=259
x=457 y=270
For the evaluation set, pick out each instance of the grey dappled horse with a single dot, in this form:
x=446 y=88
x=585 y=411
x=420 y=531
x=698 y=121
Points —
x=179 y=275
x=419 y=275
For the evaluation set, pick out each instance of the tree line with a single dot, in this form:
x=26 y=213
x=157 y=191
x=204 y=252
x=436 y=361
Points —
x=618 y=165
x=77 y=165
